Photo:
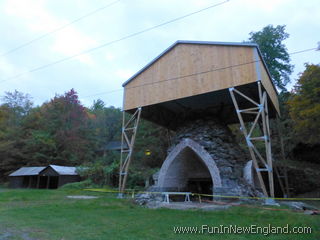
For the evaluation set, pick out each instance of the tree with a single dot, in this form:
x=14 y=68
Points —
x=106 y=123
x=17 y=100
x=270 y=40
x=14 y=108
x=18 y=104
x=304 y=106
x=63 y=133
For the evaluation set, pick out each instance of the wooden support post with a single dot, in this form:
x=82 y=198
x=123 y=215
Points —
x=29 y=183
x=58 y=185
x=285 y=186
x=121 y=153
x=261 y=116
x=48 y=181
x=38 y=181
x=278 y=174
x=129 y=130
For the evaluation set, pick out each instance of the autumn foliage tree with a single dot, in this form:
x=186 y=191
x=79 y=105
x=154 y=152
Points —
x=64 y=132
x=304 y=106
x=66 y=122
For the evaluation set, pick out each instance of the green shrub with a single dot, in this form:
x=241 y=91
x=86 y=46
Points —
x=80 y=185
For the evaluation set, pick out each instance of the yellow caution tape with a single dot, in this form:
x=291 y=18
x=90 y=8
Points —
x=132 y=192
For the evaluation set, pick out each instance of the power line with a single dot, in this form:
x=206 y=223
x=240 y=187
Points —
x=114 y=41
x=103 y=93
x=58 y=29
x=190 y=75
x=306 y=50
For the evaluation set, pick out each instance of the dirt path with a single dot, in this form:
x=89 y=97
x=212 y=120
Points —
x=9 y=234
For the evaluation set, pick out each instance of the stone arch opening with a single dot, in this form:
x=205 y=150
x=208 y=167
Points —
x=189 y=167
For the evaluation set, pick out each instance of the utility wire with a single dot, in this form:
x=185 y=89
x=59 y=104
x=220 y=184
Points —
x=103 y=93
x=306 y=50
x=114 y=41
x=193 y=74
x=58 y=29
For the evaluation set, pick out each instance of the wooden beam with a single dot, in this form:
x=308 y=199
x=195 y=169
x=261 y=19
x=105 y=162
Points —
x=126 y=156
x=122 y=147
x=38 y=181
x=244 y=130
x=29 y=183
x=48 y=182
x=284 y=170
x=261 y=116
x=266 y=131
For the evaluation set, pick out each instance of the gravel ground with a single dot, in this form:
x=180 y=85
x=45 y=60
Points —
x=190 y=205
x=9 y=234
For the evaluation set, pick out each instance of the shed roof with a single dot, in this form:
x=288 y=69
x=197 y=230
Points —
x=27 y=171
x=116 y=145
x=34 y=171
x=63 y=170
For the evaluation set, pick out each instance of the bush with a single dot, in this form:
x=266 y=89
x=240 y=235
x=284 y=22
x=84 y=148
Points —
x=80 y=185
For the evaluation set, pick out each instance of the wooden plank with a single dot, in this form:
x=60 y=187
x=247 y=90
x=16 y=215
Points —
x=38 y=181
x=266 y=126
x=267 y=84
x=245 y=133
x=176 y=74
x=124 y=165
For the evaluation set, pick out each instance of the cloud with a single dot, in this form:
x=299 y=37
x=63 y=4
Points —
x=70 y=41
x=109 y=56
x=36 y=18
x=6 y=69
x=124 y=74
x=34 y=15
x=107 y=68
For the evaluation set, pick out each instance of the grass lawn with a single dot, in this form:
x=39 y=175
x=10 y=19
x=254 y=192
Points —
x=48 y=214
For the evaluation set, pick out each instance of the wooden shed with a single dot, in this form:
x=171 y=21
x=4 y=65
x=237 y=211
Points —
x=51 y=177
x=191 y=78
x=25 y=177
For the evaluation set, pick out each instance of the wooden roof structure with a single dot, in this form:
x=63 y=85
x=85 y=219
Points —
x=34 y=171
x=190 y=79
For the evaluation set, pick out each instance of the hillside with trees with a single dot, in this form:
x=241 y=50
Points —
x=64 y=132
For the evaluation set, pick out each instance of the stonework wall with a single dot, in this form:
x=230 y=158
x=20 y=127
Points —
x=206 y=148
x=187 y=161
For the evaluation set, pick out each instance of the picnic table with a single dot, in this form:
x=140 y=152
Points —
x=167 y=196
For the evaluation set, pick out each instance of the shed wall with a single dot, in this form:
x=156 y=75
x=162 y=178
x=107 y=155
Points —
x=175 y=74
x=49 y=172
x=16 y=182
x=64 y=179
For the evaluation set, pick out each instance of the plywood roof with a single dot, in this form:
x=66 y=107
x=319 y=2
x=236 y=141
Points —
x=27 y=171
x=62 y=170
x=33 y=171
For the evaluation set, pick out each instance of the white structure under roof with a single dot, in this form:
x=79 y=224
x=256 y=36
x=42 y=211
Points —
x=27 y=171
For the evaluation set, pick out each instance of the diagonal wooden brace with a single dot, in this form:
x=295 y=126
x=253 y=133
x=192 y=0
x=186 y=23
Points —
x=129 y=131
x=261 y=115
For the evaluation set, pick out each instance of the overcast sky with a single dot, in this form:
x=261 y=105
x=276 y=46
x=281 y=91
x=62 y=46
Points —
x=105 y=69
